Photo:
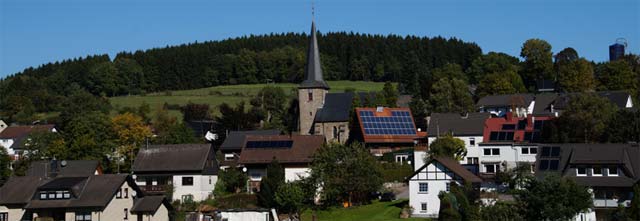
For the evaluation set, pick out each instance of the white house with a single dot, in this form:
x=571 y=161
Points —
x=190 y=169
x=468 y=128
x=293 y=152
x=435 y=176
x=13 y=137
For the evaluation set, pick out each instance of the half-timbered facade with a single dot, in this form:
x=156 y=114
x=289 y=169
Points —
x=433 y=177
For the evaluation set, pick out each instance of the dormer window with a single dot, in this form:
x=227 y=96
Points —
x=613 y=171
x=597 y=171
x=581 y=171
x=54 y=195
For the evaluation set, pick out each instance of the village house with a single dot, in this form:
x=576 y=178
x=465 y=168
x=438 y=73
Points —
x=608 y=170
x=76 y=194
x=233 y=143
x=190 y=169
x=544 y=104
x=384 y=130
x=436 y=175
x=468 y=127
x=293 y=152
x=13 y=138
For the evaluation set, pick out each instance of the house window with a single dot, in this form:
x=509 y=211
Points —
x=126 y=213
x=119 y=194
x=187 y=181
x=524 y=150
x=491 y=168
x=423 y=207
x=472 y=160
x=4 y=216
x=448 y=187
x=423 y=188
x=228 y=156
x=126 y=192
x=492 y=152
x=187 y=198
x=613 y=171
x=597 y=171
x=310 y=95
x=43 y=195
x=401 y=158
x=581 y=171
x=472 y=141
x=533 y=150
x=83 y=216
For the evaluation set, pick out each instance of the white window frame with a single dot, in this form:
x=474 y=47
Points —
x=578 y=171
x=491 y=151
x=609 y=171
x=593 y=171
x=472 y=141
x=4 y=216
x=420 y=185
x=82 y=216
x=424 y=206
x=228 y=156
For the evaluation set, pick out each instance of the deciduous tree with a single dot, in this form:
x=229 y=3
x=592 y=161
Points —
x=576 y=76
x=553 y=198
x=345 y=173
x=447 y=146
x=538 y=63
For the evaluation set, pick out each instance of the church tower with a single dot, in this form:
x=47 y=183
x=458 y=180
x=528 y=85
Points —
x=313 y=90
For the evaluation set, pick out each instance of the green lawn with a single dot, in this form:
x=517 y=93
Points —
x=231 y=94
x=377 y=211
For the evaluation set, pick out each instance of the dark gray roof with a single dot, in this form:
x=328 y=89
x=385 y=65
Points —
x=72 y=168
x=96 y=192
x=337 y=107
x=472 y=124
x=175 y=158
x=543 y=103
x=505 y=100
x=147 y=204
x=313 y=70
x=624 y=155
x=19 y=190
x=619 y=98
x=454 y=166
x=235 y=139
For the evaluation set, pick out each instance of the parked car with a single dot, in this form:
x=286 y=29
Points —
x=387 y=196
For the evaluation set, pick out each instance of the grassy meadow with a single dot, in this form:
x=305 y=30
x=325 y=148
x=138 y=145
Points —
x=231 y=94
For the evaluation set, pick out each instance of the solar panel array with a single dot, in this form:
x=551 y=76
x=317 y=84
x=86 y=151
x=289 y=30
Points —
x=399 y=123
x=270 y=144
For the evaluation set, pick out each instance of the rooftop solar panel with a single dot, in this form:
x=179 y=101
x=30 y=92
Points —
x=270 y=144
x=399 y=123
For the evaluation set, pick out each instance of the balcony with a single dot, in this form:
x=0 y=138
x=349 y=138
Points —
x=610 y=203
x=157 y=189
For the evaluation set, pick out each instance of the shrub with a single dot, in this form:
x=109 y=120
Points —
x=238 y=200
x=394 y=172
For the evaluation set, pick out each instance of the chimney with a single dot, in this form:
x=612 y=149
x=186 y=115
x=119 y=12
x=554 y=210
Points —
x=53 y=172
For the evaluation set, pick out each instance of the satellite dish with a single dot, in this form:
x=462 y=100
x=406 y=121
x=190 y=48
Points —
x=134 y=193
x=63 y=163
x=244 y=169
x=211 y=136
x=134 y=177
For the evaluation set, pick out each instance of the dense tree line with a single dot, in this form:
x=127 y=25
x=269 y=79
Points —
x=243 y=60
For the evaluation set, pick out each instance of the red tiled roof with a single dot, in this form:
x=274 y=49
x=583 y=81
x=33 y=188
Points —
x=301 y=151
x=21 y=131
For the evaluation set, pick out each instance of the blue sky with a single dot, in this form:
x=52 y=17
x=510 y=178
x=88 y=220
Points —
x=35 y=32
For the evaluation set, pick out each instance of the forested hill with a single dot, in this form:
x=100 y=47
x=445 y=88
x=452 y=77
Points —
x=251 y=59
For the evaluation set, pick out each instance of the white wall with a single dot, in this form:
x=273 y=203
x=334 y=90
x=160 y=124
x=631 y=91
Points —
x=201 y=189
x=511 y=154
x=472 y=150
x=6 y=143
x=295 y=173
x=246 y=215
x=14 y=213
x=416 y=198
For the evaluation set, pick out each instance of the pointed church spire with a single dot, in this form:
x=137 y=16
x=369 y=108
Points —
x=313 y=71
